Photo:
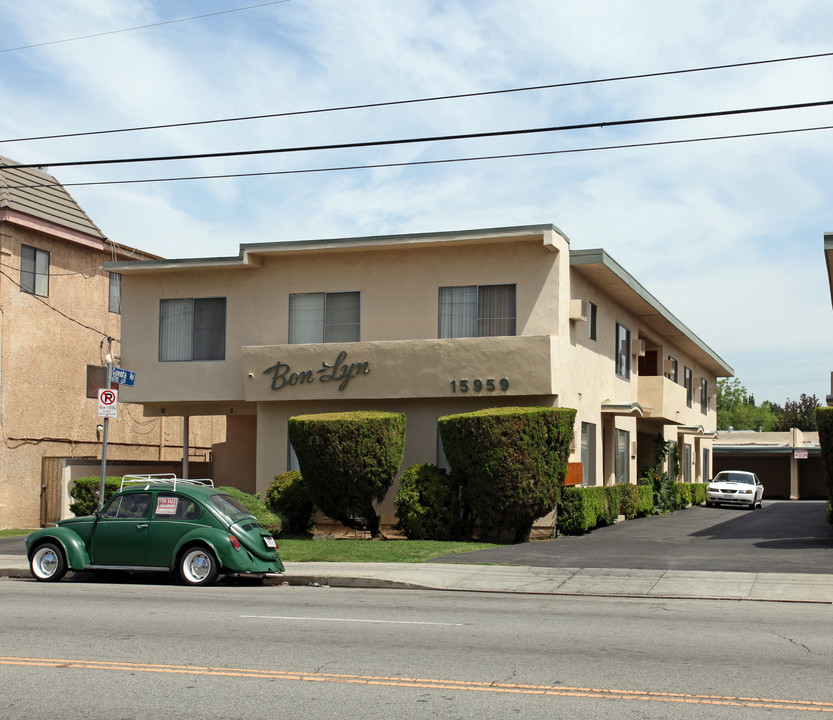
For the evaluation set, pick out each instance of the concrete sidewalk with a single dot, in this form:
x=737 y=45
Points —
x=691 y=584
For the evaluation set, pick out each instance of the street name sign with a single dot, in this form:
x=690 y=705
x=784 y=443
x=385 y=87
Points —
x=122 y=376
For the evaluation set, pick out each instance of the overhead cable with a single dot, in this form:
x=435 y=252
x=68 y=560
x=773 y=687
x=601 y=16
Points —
x=392 y=103
x=412 y=163
x=429 y=139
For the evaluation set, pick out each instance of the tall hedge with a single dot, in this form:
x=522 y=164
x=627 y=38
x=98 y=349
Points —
x=510 y=462
x=348 y=462
x=824 y=423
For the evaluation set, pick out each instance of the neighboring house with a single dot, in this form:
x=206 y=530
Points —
x=428 y=324
x=60 y=314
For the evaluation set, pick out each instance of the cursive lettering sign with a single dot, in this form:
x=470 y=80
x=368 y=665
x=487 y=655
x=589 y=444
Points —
x=339 y=371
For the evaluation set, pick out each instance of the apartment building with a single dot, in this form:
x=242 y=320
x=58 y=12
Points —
x=427 y=324
x=60 y=315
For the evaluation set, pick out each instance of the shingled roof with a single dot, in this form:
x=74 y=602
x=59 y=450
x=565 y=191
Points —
x=38 y=194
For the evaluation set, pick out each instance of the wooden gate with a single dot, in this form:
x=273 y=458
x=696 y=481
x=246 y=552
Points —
x=50 y=492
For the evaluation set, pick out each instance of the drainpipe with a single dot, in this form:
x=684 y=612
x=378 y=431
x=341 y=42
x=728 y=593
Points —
x=186 y=427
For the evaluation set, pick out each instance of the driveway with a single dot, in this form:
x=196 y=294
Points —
x=783 y=537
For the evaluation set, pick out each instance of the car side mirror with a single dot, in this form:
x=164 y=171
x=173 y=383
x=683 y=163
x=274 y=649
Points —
x=97 y=514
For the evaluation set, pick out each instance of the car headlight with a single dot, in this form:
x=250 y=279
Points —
x=745 y=492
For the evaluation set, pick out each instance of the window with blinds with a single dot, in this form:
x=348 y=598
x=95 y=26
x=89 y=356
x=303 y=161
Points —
x=477 y=311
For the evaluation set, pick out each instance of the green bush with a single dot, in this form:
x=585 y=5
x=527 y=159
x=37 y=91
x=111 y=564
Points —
x=698 y=493
x=348 y=461
x=288 y=496
x=824 y=422
x=510 y=462
x=270 y=520
x=645 y=501
x=428 y=504
x=85 y=492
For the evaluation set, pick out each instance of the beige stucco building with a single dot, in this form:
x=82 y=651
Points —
x=428 y=324
x=60 y=314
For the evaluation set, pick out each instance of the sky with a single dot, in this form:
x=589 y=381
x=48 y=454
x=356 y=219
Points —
x=727 y=234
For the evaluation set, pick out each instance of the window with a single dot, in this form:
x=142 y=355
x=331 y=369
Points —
x=97 y=380
x=591 y=320
x=133 y=506
x=688 y=381
x=673 y=368
x=115 y=292
x=477 y=311
x=324 y=317
x=291 y=457
x=704 y=396
x=192 y=329
x=622 y=457
x=442 y=460
x=588 y=454
x=34 y=271
x=623 y=352
x=707 y=469
x=686 y=462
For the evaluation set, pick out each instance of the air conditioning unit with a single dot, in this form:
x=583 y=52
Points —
x=639 y=348
x=579 y=310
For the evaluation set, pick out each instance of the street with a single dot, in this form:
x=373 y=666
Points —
x=151 y=649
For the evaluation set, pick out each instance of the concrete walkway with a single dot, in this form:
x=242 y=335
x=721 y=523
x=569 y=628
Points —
x=612 y=582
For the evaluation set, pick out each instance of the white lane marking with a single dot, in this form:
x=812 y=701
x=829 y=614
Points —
x=355 y=620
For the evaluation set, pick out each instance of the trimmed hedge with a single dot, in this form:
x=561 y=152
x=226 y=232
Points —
x=427 y=504
x=85 y=492
x=288 y=495
x=583 y=508
x=270 y=520
x=348 y=461
x=824 y=423
x=510 y=463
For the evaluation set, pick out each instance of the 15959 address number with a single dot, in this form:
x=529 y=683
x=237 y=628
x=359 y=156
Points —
x=477 y=385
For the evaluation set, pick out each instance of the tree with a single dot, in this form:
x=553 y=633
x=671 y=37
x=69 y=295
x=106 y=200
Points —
x=736 y=408
x=800 y=414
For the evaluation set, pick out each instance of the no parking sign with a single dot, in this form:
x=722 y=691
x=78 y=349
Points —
x=108 y=402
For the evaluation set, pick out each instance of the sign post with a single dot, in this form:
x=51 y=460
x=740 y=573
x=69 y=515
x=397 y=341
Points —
x=106 y=399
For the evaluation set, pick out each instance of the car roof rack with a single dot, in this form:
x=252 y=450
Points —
x=162 y=478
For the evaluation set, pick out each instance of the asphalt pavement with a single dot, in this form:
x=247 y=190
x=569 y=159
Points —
x=781 y=553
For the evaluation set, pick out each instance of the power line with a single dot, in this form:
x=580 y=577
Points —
x=392 y=103
x=141 y=27
x=419 y=162
x=429 y=139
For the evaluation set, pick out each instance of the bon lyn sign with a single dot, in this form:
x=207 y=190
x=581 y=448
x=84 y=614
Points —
x=339 y=371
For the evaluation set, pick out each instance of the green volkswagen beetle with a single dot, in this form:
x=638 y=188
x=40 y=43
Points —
x=159 y=523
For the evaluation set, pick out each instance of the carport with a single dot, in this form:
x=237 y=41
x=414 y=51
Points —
x=788 y=463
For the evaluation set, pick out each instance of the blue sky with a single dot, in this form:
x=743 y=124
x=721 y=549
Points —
x=727 y=234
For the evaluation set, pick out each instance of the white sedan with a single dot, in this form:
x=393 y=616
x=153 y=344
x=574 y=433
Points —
x=735 y=487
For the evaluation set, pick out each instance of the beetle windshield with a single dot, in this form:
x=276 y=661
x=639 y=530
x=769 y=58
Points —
x=227 y=505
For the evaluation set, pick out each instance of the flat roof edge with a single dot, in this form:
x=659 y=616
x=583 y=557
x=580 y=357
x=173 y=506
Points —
x=246 y=258
x=601 y=257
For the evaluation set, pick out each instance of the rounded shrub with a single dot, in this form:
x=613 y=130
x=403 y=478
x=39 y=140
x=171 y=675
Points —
x=511 y=463
x=427 y=503
x=85 y=492
x=288 y=496
x=348 y=461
